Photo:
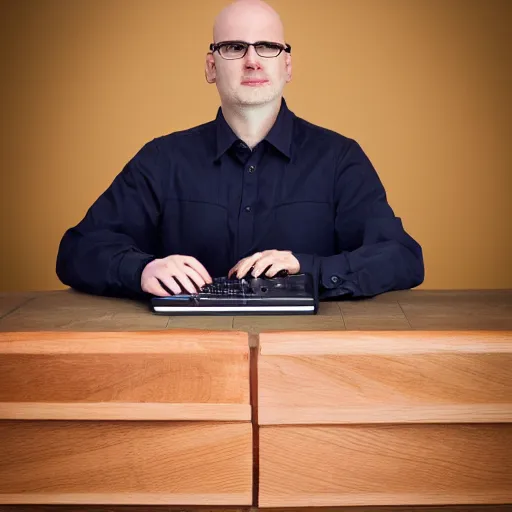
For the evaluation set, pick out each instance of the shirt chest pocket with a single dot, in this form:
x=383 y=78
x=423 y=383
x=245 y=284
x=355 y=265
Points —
x=305 y=227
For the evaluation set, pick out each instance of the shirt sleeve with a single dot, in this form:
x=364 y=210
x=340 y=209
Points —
x=374 y=252
x=106 y=252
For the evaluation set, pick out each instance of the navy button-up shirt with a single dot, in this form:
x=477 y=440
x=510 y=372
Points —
x=203 y=193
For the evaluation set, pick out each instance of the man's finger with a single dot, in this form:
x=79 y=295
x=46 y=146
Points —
x=233 y=269
x=262 y=265
x=168 y=282
x=155 y=288
x=237 y=266
x=194 y=276
x=199 y=268
x=183 y=280
x=246 y=265
x=274 y=269
x=243 y=270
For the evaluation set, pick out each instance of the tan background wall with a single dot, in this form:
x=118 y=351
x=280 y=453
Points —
x=424 y=86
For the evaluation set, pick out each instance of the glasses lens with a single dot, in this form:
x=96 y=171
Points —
x=232 y=51
x=268 y=50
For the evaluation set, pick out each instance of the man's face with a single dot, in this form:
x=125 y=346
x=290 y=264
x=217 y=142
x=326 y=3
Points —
x=253 y=79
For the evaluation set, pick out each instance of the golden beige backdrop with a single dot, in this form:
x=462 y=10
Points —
x=424 y=86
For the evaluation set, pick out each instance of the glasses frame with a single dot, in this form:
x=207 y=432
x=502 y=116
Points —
x=214 y=47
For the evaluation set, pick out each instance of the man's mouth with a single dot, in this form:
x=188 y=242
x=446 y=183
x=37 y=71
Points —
x=254 y=81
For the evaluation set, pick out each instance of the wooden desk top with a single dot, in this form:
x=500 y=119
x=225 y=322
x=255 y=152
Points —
x=402 y=310
x=417 y=310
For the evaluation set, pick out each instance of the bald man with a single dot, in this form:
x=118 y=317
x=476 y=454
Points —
x=256 y=191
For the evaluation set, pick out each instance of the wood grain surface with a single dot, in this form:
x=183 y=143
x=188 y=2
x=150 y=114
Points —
x=356 y=465
x=416 y=396
x=68 y=310
x=384 y=377
x=125 y=462
x=204 y=508
x=187 y=375
x=10 y=302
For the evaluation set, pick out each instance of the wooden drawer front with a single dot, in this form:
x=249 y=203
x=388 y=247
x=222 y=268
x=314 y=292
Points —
x=391 y=377
x=125 y=462
x=170 y=375
x=349 y=465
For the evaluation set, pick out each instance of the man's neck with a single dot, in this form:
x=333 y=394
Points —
x=251 y=123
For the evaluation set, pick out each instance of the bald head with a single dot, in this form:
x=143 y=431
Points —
x=248 y=20
x=251 y=80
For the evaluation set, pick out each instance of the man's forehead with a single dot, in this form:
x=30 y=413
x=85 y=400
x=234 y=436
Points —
x=250 y=33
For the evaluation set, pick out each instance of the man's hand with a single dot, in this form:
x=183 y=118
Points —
x=173 y=271
x=276 y=260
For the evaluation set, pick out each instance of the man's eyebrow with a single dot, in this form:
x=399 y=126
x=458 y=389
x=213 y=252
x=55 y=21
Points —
x=232 y=41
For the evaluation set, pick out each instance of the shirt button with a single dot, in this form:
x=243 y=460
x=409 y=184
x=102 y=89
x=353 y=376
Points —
x=251 y=169
x=241 y=145
x=247 y=209
x=335 y=279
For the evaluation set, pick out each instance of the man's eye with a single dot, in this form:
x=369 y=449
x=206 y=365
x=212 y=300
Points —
x=234 y=48
x=268 y=46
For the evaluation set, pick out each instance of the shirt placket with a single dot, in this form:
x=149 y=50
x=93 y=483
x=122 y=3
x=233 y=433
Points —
x=247 y=212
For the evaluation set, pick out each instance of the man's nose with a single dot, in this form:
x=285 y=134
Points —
x=252 y=59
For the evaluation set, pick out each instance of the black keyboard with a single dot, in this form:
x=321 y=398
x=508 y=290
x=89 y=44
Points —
x=292 y=294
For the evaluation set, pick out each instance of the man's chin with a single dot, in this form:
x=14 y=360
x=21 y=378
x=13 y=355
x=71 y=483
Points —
x=256 y=96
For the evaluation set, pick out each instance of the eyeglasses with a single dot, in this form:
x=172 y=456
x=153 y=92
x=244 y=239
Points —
x=237 y=49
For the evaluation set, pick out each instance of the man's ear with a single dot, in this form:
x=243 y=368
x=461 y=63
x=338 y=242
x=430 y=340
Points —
x=288 y=64
x=210 y=71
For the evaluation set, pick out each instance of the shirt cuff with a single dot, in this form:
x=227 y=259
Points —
x=334 y=271
x=130 y=271
x=332 y=274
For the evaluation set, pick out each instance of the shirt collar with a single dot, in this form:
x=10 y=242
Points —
x=280 y=135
